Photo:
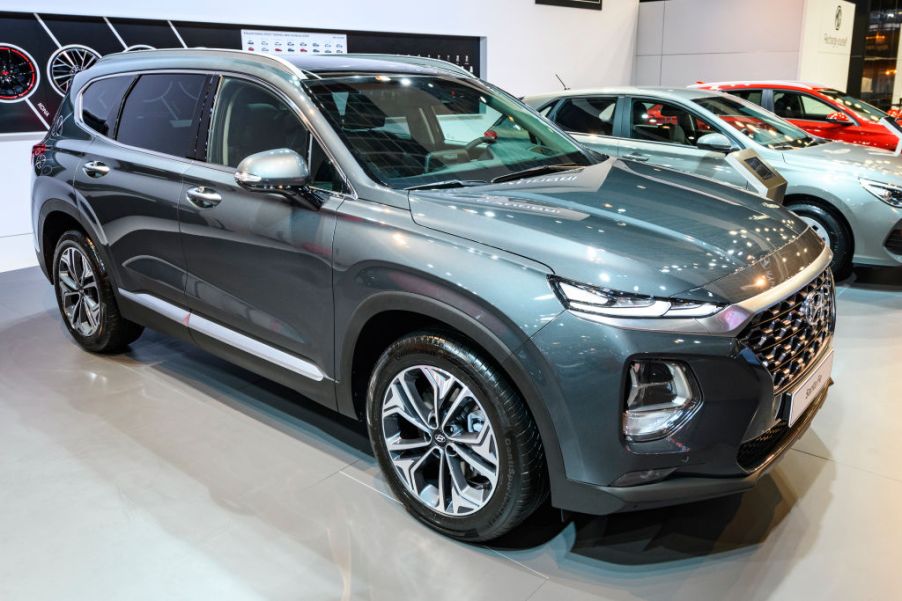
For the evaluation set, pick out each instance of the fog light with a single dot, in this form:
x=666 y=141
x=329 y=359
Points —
x=643 y=477
x=661 y=398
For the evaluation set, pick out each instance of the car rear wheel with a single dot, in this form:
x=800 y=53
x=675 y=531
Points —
x=454 y=439
x=832 y=231
x=85 y=297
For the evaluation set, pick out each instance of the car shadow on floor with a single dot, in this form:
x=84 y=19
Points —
x=654 y=536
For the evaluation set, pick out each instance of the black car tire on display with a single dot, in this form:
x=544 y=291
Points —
x=468 y=463
x=19 y=75
x=832 y=231
x=85 y=297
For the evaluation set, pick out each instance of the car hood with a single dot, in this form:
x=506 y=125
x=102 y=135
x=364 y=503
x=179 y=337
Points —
x=619 y=225
x=841 y=158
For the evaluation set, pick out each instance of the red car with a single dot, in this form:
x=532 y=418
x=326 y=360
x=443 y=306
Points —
x=819 y=110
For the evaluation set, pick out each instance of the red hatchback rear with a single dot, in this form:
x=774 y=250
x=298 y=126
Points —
x=819 y=110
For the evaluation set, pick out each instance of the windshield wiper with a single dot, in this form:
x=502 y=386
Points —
x=535 y=171
x=448 y=183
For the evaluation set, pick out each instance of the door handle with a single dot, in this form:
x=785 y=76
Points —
x=635 y=156
x=203 y=198
x=95 y=169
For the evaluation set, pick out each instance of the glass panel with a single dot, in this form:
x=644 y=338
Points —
x=248 y=119
x=588 y=115
x=418 y=130
x=656 y=121
x=757 y=124
x=161 y=111
x=101 y=101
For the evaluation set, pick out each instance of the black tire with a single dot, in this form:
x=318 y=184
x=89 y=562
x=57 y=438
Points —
x=113 y=332
x=522 y=477
x=840 y=237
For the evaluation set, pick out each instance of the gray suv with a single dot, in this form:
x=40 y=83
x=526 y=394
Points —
x=513 y=315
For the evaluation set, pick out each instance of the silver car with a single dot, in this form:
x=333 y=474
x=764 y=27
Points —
x=850 y=195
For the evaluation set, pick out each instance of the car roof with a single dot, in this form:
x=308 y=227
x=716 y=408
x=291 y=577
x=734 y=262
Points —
x=661 y=92
x=312 y=66
x=774 y=83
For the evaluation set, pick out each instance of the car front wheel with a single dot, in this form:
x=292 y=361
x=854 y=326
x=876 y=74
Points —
x=832 y=231
x=455 y=440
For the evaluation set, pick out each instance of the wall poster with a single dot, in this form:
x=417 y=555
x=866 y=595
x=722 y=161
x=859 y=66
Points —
x=41 y=53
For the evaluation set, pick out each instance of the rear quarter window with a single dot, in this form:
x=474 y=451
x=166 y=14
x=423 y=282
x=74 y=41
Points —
x=100 y=103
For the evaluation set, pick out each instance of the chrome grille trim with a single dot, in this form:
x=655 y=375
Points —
x=789 y=336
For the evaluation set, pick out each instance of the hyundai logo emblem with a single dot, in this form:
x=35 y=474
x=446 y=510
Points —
x=814 y=308
x=440 y=438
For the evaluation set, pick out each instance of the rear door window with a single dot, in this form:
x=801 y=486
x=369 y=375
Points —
x=100 y=103
x=588 y=115
x=161 y=113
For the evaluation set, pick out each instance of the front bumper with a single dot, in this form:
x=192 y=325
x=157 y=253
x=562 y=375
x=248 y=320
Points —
x=586 y=498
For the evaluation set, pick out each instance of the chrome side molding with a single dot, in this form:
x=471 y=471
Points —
x=226 y=335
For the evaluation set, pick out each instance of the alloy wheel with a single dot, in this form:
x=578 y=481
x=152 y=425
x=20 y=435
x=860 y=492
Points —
x=79 y=294
x=440 y=440
x=818 y=229
x=66 y=63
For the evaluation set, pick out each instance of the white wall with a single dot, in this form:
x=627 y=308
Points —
x=526 y=45
x=680 y=42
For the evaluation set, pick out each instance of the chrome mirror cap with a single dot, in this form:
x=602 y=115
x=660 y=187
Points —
x=277 y=170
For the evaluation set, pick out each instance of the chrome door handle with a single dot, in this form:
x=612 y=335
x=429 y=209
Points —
x=95 y=169
x=203 y=198
x=635 y=156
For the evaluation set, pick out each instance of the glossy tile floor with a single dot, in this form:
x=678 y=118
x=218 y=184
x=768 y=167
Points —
x=165 y=473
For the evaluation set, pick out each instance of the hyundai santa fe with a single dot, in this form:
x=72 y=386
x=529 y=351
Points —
x=512 y=315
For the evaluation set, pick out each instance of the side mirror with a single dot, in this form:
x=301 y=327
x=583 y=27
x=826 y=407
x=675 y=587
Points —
x=716 y=142
x=839 y=118
x=280 y=171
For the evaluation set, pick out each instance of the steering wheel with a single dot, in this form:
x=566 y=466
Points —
x=472 y=145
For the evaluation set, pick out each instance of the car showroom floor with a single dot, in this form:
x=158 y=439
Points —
x=165 y=473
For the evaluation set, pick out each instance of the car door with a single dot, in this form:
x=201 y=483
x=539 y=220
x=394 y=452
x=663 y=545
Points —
x=591 y=120
x=130 y=178
x=260 y=264
x=665 y=133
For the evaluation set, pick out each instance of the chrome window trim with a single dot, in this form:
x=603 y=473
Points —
x=731 y=320
x=228 y=336
x=223 y=73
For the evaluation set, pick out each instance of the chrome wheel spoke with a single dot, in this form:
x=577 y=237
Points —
x=397 y=404
x=79 y=295
x=439 y=440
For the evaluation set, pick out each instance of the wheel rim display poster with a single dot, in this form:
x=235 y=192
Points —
x=40 y=53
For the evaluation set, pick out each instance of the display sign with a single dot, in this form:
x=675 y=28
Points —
x=293 y=42
x=41 y=53
x=590 y=4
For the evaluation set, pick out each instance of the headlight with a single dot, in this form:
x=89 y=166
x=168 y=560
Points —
x=661 y=398
x=888 y=193
x=589 y=301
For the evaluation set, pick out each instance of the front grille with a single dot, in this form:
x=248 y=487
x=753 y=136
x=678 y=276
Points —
x=753 y=453
x=894 y=241
x=791 y=334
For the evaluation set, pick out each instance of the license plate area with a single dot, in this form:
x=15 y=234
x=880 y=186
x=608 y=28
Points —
x=801 y=397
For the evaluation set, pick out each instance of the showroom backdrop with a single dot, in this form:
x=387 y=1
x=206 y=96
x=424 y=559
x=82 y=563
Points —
x=683 y=41
x=526 y=44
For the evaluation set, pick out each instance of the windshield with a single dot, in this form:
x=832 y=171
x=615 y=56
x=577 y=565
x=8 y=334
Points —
x=415 y=130
x=757 y=124
x=864 y=110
